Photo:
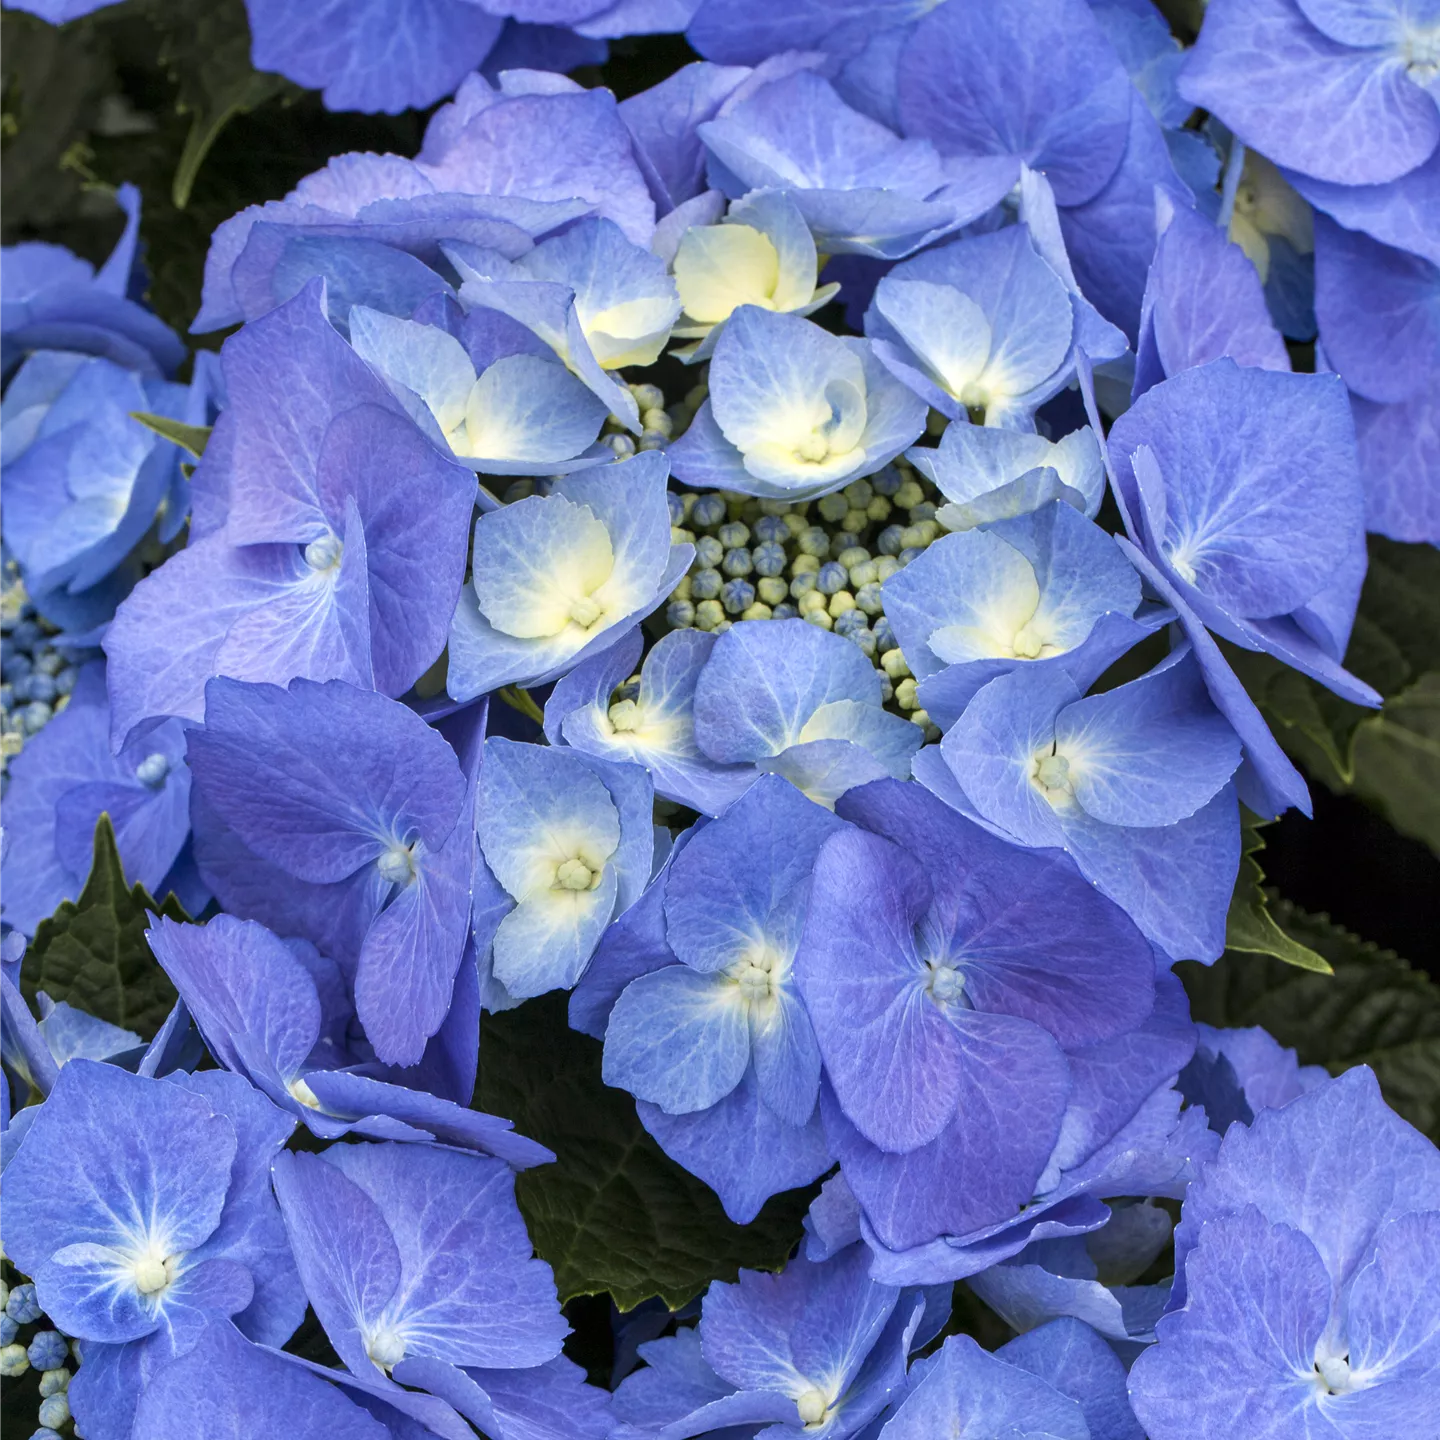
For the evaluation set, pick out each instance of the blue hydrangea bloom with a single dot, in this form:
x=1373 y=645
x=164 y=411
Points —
x=1379 y=314
x=500 y=167
x=981 y=324
x=1343 y=90
x=599 y=300
x=1238 y=1073
x=85 y=481
x=277 y=1014
x=963 y=1391
x=568 y=844
x=558 y=578
x=142 y=1209
x=65 y=779
x=1071 y=1358
x=53 y=300
x=656 y=728
x=942 y=1005
x=987 y=474
x=818 y=1349
x=861 y=188
x=798 y=701
x=328 y=536
x=520 y=415
x=1048 y=590
x=1203 y=300
x=715 y=1040
x=1309 y=1251
x=762 y=253
x=338 y=815
x=1242 y=497
x=417 y=1251
x=794 y=412
x=228 y=1389
x=1134 y=783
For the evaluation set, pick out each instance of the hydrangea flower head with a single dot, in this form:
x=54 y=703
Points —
x=338 y=815
x=142 y=1208
x=1135 y=783
x=1308 y=1250
x=559 y=577
x=762 y=254
x=1338 y=89
x=794 y=412
x=568 y=842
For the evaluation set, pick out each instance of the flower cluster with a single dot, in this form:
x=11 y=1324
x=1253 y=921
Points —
x=854 y=743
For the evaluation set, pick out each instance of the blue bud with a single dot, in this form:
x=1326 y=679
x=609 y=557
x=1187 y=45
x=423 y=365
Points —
x=708 y=511
x=772 y=527
x=52 y=1382
x=48 y=1350
x=34 y=717
x=890 y=542
x=8 y=1330
x=42 y=687
x=737 y=562
x=680 y=614
x=677 y=508
x=65 y=680
x=842 y=541
x=785 y=611
x=22 y=1306
x=43 y=1433
x=832 y=578
x=733 y=535
x=887 y=482
x=737 y=595
x=909 y=553
x=709 y=551
x=884 y=635
x=851 y=621
x=705 y=584
x=769 y=557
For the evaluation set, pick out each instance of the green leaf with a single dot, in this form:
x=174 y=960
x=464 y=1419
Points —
x=614 y=1213
x=92 y=951
x=1374 y=1010
x=206 y=47
x=188 y=437
x=1250 y=927
x=1390 y=759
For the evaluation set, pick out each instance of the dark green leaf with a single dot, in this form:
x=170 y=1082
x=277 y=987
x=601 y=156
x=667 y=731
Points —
x=1390 y=759
x=92 y=951
x=206 y=48
x=1374 y=1009
x=614 y=1212
x=188 y=437
x=1250 y=927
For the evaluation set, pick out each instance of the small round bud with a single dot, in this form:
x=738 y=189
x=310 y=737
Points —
x=648 y=397
x=734 y=534
x=708 y=551
x=622 y=445
x=855 y=521
x=905 y=693
x=657 y=422
x=840 y=602
x=784 y=612
x=847 y=622
x=13 y=1361
x=858 y=494
x=709 y=614
x=832 y=507
x=756 y=612
x=8 y=1330
x=771 y=590
x=841 y=541
x=680 y=614
x=707 y=512
x=810 y=603
x=869 y=599
x=887 y=482
x=805 y=565
x=22 y=1306
x=909 y=553
x=705 y=584
x=863 y=637
x=878 y=510
x=682 y=590
x=677 y=507
x=888 y=542
x=772 y=527
x=55 y=1382
x=885 y=567
x=922 y=512
x=908 y=495
x=737 y=596
x=820 y=618
x=894 y=663
x=54 y=1411
x=865 y=573
x=737 y=563
x=795 y=522
x=48 y=1350
x=768 y=558
x=681 y=536
x=814 y=541
x=802 y=584
x=884 y=634
x=832 y=578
